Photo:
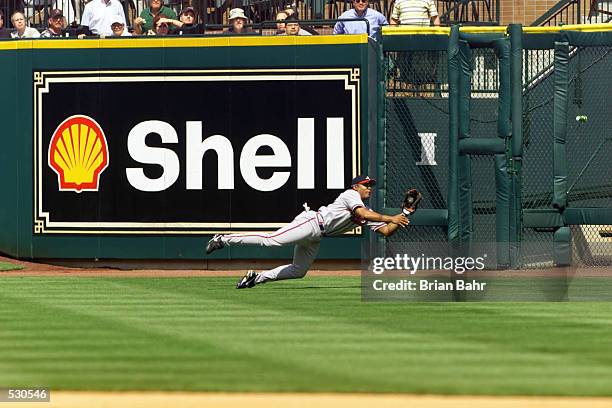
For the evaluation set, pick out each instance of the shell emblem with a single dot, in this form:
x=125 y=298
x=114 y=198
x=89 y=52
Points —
x=78 y=153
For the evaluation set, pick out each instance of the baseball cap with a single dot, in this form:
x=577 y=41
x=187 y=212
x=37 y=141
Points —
x=187 y=9
x=116 y=19
x=56 y=13
x=363 y=179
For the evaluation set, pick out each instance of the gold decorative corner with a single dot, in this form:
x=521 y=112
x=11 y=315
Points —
x=358 y=230
x=39 y=227
x=38 y=78
x=355 y=74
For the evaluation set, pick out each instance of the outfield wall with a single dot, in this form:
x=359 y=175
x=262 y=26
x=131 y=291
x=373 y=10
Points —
x=143 y=148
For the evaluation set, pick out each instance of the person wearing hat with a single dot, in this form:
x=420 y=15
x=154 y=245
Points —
x=292 y=26
x=306 y=231
x=145 y=22
x=55 y=24
x=185 y=25
x=98 y=13
x=118 y=27
x=21 y=29
x=280 y=26
x=238 y=22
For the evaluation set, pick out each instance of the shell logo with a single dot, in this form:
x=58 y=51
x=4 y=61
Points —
x=78 y=153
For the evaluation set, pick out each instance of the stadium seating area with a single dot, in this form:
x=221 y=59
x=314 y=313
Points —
x=320 y=14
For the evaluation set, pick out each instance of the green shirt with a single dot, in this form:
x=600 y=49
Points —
x=148 y=17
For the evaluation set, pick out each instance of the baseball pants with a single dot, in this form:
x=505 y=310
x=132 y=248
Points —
x=304 y=232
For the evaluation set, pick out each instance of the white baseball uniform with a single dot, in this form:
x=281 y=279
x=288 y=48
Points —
x=306 y=232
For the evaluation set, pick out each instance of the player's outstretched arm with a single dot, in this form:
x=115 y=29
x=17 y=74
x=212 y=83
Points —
x=389 y=229
x=393 y=221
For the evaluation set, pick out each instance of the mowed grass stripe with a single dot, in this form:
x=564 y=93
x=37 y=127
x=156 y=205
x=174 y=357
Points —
x=580 y=325
x=315 y=334
x=176 y=333
x=526 y=320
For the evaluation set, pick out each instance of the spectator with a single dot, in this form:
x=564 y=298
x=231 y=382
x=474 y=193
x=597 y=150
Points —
x=4 y=33
x=160 y=26
x=238 y=22
x=185 y=25
x=415 y=12
x=21 y=29
x=144 y=23
x=55 y=24
x=417 y=69
x=292 y=26
x=8 y=7
x=280 y=27
x=360 y=10
x=98 y=13
x=118 y=27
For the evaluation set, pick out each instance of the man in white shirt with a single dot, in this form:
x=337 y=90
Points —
x=21 y=30
x=421 y=13
x=98 y=15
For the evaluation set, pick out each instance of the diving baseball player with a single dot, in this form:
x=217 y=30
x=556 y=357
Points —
x=309 y=227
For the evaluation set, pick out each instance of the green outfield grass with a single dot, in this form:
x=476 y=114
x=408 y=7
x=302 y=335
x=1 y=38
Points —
x=307 y=335
x=9 y=266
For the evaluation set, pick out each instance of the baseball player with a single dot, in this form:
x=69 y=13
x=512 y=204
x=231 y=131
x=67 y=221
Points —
x=309 y=227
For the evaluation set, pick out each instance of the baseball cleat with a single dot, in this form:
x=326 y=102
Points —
x=248 y=280
x=214 y=244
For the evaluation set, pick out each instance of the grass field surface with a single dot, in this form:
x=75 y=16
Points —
x=8 y=266
x=306 y=335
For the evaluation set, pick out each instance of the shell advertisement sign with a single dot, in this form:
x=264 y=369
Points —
x=230 y=150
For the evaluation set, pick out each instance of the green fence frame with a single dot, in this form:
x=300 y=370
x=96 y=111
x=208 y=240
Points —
x=507 y=148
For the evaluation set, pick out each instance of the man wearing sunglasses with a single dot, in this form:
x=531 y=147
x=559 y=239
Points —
x=55 y=24
x=360 y=10
x=306 y=231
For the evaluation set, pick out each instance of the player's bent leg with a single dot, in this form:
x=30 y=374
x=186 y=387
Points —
x=303 y=257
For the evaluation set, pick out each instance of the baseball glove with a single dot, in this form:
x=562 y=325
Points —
x=411 y=201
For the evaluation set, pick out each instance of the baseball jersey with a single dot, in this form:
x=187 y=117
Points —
x=414 y=12
x=338 y=217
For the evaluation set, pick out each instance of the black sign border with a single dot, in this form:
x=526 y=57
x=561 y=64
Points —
x=42 y=221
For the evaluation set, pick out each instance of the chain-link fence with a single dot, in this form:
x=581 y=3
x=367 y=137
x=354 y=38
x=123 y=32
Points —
x=416 y=129
x=589 y=149
x=537 y=182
